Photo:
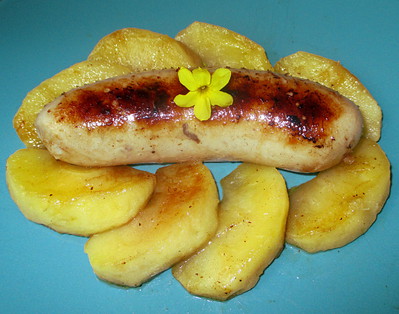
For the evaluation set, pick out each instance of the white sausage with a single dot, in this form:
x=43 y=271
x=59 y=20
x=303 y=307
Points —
x=275 y=120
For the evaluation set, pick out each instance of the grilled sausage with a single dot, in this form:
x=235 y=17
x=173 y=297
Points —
x=276 y=120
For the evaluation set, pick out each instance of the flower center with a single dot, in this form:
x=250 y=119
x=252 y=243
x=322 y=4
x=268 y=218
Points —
x=203 y=88
x=203 y=97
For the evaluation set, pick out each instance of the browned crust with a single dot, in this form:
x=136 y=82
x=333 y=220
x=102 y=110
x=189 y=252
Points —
x=305 y=110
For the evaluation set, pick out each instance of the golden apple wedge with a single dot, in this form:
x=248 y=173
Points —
x=77 y=75
x=143 y=50
x=180 y=218
x=220 y=47
x=250 y=235
x=335 y=76
x=72 y=199
x=341 y=203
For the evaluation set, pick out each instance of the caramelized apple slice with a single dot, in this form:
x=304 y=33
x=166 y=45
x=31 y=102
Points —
x=335 y=76
x=252 y=218
x=79 y=74
x=73 y=199
x=180 y=217
x=341 y=203
x=143 y=50
x=220 y=47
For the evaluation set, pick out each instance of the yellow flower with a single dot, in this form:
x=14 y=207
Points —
x=204 y=90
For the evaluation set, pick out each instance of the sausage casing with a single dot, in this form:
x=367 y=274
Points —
x=276 y=120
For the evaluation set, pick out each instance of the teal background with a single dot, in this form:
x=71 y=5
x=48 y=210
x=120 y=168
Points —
x=45 y=272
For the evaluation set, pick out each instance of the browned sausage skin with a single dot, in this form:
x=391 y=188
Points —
x=276 y=120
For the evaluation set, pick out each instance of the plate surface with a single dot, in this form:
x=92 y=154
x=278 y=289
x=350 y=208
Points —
x=43 y=271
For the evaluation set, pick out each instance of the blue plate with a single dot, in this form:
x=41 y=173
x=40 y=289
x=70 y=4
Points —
x=42 y=271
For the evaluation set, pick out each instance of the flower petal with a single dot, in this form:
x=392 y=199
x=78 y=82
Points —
x=202 y=109
x=204 y=90
x=187 y=79
x=220 y=78
x=219 y=98
x=202 y=77
x=187 y=100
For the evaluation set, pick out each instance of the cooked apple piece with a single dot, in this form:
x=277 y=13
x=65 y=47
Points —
x=341 y=203
x=79 y=74
x=143 y=50
x=252 y=218
x=180 y=218
x=72 y=199
x=335 y=76
x=221 y=47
